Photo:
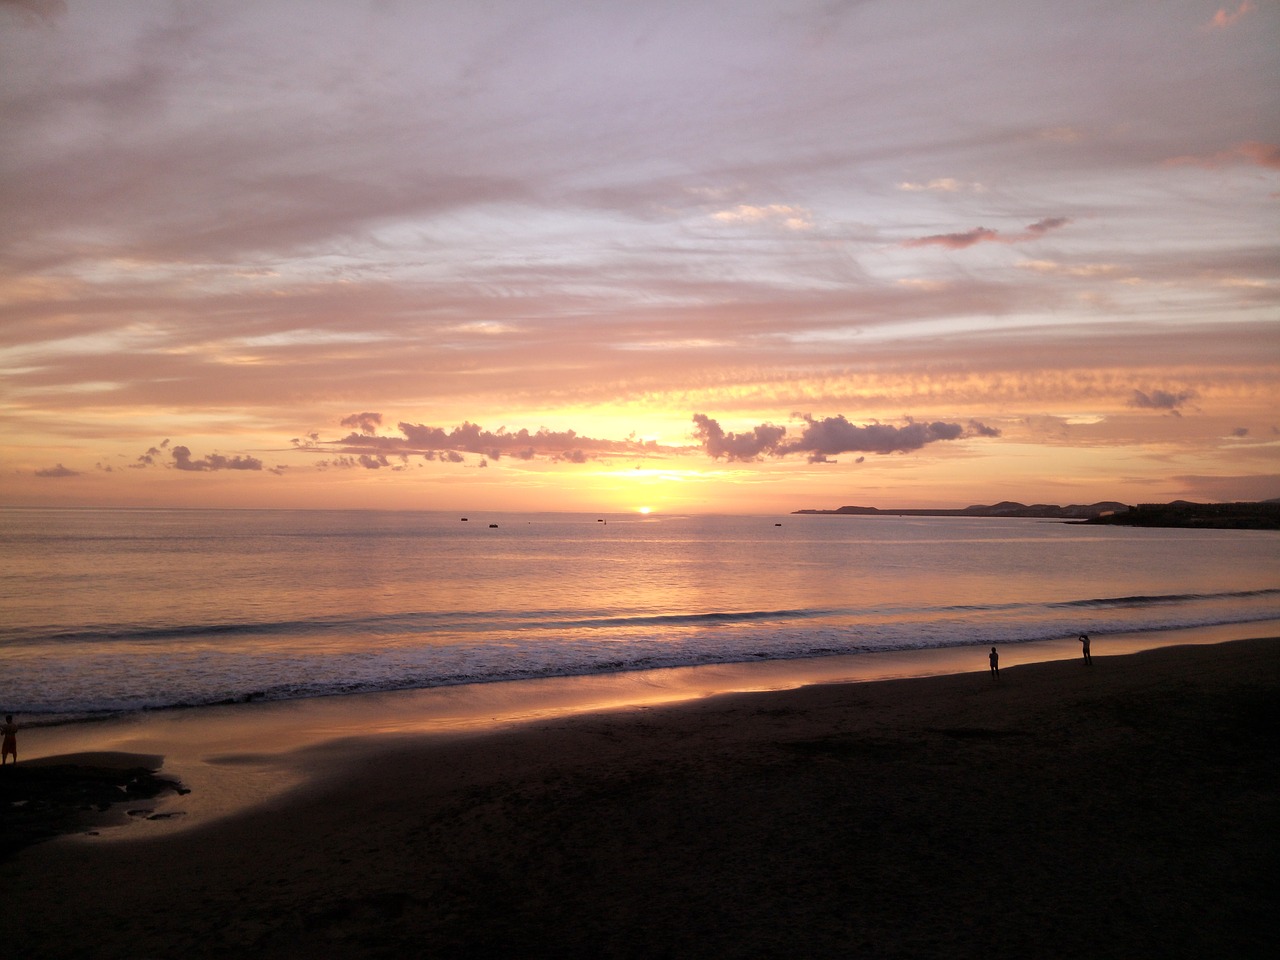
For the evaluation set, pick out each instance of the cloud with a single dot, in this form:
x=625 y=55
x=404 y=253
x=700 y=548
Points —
x=941 y=184
x=366 y=423
x=834 y=435
x=763 y=439
x=150 y=458
x=822 y=439
x=181 y=459
x=1263 y=154
x=1160 y=399
x=34 y=12
x=365 y=461
x=959 y=241
x=1071 y=270
x=1041 y=227
x=955 y=241
x=447 y=445
x=1062 y=135
x=214 y=461
x=1255 y=152
x=58 y=471
x=1225 y=18
x=793 y=218
x=523 y=216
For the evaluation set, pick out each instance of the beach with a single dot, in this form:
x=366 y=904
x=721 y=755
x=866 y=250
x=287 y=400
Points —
x=1124 y=809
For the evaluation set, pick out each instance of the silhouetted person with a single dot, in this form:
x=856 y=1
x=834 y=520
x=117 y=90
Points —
x=995 y=664
x=1084 y=646
x=10 y=746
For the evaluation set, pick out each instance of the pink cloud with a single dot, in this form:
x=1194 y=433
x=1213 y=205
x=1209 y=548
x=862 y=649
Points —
x=959 y=241
x=1047 y=224
x=955 y=241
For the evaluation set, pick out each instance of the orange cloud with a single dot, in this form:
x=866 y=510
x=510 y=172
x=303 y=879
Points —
x=1223 y=18
x=793 y=218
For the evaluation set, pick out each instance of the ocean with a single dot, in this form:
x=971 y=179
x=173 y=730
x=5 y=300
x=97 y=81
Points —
x=105 y=612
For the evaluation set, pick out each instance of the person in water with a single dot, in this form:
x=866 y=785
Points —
x=10 y=746
x=995 y=664
x=1084 y=646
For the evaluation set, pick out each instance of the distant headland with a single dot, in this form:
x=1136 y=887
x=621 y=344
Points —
x=1261 y=515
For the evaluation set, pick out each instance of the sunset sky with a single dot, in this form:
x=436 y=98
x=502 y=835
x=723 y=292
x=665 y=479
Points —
x=740 y=256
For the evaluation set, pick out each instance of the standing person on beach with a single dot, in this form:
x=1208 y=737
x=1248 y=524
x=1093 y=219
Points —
x=1084 y=645
x=995 y=664
x=10 y=746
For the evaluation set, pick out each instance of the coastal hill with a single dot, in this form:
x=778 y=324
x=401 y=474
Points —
x=1262 y=515
x=1006 y=508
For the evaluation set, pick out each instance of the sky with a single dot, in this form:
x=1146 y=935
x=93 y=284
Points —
x=749 y=256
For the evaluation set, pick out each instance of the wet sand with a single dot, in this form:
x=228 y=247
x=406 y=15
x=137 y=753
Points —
x=1127 y=809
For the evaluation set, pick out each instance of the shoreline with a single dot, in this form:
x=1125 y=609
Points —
x=1124 y=809
x=232 y=757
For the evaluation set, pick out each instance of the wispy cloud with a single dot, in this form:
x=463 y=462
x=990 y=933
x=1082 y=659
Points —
x=1254 y=152
x=1229 y=18
x=414 y=223
x=969 y=238
x=793 y=218
x=34 y=12
x=941 y=185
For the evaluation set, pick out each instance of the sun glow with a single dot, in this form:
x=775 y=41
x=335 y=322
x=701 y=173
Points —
x=644 y=510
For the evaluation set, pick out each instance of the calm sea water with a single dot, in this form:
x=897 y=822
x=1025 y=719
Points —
x=104 y=611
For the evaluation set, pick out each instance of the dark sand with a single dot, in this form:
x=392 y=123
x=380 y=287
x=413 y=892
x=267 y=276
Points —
x=1124 y=810
x=45 y=798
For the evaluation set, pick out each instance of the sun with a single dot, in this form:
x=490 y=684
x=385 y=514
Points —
x=645 y=510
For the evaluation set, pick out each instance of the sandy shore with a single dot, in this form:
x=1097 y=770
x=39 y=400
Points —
x=1128 y=809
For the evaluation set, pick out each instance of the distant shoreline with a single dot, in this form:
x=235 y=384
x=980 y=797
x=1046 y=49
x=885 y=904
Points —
x=1262 y=515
